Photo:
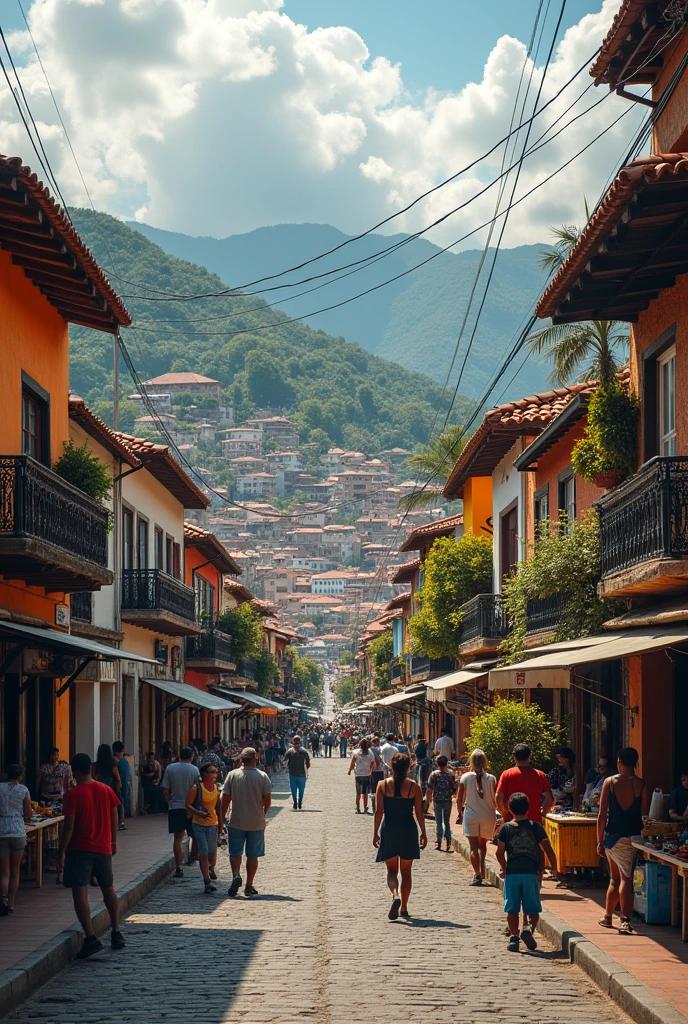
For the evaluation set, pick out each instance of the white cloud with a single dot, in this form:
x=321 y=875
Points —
x=219 y=116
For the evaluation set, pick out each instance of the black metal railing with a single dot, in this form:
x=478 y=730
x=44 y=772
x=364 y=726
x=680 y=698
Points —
x=544 y=612
x=483 y=616
x=646 y=517
x=82 y=606
x=422 y=663
x=397 y=669
x=35 y=502
x=246 y=668
x=210 y=646
x=153 y=589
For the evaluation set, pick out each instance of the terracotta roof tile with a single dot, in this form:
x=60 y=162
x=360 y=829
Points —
x=405 y=573
x=434 y=529
x=179 y=378
x=80 y=413
x=212 y=548
x=625 y=19
x=166 y=469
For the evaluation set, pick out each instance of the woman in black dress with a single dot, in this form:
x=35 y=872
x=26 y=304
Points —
x=397 y=799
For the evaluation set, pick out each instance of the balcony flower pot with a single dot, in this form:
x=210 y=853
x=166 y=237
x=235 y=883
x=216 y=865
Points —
x=607 y=480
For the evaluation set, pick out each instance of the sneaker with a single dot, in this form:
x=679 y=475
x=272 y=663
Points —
x=358 y=810
x=299 y=805
x=212 y=874
x=90 y=946
x=513 y=945
x=209 y=887
x=295 y=807
x=450 y=849
x=117 y=940
x=405 y=914
x=394 y=909
x=179 y=873
x=250 y=891
x=235 y=886
x=477 y=880
x=121 y=827
x=529 y=938
x=4 y=907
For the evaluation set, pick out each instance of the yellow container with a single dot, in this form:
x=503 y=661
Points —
x=574 y=840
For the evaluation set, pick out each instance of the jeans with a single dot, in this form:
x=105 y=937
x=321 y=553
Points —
x=343 y=744
x=297 y=784
x=206 y=839
x=328 y=750
x=442 y=818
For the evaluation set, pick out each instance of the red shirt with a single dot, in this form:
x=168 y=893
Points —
x=90 y=804
x=530 y=781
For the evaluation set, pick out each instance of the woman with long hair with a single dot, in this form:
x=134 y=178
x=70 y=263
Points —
x=476 y=802
x=105 y=768
x=397 y=800
x=363 y=763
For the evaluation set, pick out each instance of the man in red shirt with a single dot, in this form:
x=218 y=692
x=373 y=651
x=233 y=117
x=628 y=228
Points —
x=87 y=846
x=523 y=778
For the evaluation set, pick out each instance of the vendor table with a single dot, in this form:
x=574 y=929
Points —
x=678 y=867
x=574 y=840
x=38 y=829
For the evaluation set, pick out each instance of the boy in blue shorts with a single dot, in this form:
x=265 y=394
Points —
x=521 y=845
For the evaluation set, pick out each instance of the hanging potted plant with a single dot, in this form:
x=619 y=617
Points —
x=608 y=451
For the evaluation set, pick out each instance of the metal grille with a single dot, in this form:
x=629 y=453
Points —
x=647 y=517
x=422 y=663
x=211 y=646
x=484 y=616
x=35 y=502
x=154 y=589
x=544 y=612
x=82 y=606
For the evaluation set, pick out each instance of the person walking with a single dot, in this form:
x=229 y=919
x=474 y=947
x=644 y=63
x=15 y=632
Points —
x=343 y=742
x=15 y=815
x=124 y=769
x=178 y=779
x=88 y=843
x=151 y=775
x=315 y=743
x=444 y=744
x=105 y=769
x=387 y=752
x=477 y=805
x=248 y=793
x=442 y=786
x=396 y=833
x=328 y=741
x=523 y=778
x=624 y=800
x=362 y=764
x=378 y=772
x=298 y=764
x=203 y=807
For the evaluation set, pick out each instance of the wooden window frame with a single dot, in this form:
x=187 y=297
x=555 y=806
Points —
x=650 y=390
x=40 y=398
x=663 y=438
x=159 y=552
x=128 y=516
x=562 y=480
x=142 y=521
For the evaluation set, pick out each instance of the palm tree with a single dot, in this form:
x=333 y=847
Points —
x=588 y=349
x=434 y=462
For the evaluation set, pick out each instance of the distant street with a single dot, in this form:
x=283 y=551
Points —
x=317 y=943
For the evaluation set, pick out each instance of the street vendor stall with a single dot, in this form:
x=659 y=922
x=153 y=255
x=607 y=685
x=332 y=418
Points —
x=574 y=840
x=664 y=843
x=37 y=833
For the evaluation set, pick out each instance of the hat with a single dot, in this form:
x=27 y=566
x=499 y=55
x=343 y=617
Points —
x=248 y=753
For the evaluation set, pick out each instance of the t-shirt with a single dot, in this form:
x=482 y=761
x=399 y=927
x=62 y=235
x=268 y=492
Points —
x=442 y=784
x=387 y=752
x=12 y=796
x=522 y=840
x=297 y=762
x=445 y=746
x=421 y=751
x=678 y=801
x=364 y=764
x=179 y=778
x=528 y=780
x=378 y=759
x=90 y=804
x=247 y=788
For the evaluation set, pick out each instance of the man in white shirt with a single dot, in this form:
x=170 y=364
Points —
x=387 y=751
x=444 y=745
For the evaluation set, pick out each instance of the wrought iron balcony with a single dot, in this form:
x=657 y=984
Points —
x=210 y=651
x=82 y=606
x=484 y=623
x=246 y=669
x=644 y=526
x=51 y=534
x=152 y=599
x=397 y=669
x=544 y=612
x=423 y=667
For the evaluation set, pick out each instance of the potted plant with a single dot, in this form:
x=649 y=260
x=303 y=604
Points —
x=608 y=451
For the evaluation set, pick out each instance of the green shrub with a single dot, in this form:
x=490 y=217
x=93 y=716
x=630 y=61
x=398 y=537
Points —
x=81 y=468
x=244 y=625
x=610 y=441
x=266 y=672
x=500 y=728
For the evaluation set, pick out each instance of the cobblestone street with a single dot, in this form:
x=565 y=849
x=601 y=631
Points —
x=317 y=943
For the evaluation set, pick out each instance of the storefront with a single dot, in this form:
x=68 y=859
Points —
x=171 y=710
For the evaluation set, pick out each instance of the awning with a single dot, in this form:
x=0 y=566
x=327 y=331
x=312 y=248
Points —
x=186 y=694
x=312 y=714
x=53 y=639
x=262 y=703
x=553 y=671
x=437 y=688
x=397 y=698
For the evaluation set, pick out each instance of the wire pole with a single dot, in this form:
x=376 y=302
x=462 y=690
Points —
x=115 y=382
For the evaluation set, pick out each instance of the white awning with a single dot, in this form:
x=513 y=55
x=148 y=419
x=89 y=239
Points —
x=253 y=699
x=553 y=671
x=437 y=688
x=397 y=698
x=54 y=639
x=192 y=695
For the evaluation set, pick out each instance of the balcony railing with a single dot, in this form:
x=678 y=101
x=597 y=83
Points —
x=397 y=669
x=483 y=616
x=37 y=503
x=421 y=663
x=82 y=606
x=647 y=517
x=544 y=612
x=210 y=646
x=154 y=590
x=246 y=668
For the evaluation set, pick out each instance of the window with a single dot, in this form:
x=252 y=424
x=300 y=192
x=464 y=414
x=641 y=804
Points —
x=567 y=495
x=169 y=555
x=159 y=548
x=666 y=365
x=508 y=549
x=176 y=561
x=127 y=539
x=142 y=543
x=35 y=421
x=540 y=508
x=205 y=599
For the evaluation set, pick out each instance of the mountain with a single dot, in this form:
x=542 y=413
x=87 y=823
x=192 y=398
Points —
x=334 y=390
x=415 y=320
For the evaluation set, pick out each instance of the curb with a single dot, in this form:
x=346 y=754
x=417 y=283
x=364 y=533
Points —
x=21 y=981
x=634 y=998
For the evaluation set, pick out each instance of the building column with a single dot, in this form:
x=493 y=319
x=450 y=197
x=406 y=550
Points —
x=650 y=689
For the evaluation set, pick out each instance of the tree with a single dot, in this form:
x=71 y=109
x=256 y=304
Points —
x=266 y=672
x=345 y=691
x=307 y=676
x=432 y=464
x=500 y=728
x=245 y=627
x=455 y=571
x=266 y=385
x=381 y=651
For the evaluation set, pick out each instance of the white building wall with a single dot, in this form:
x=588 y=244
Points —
x=508 y=485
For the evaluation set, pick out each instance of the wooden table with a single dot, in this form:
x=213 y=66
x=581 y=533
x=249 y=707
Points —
x=574 y=840
x=38 y=829
x=678 y=867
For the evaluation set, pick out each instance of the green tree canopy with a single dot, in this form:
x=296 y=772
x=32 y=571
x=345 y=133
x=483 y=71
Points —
x=381 y=651
x=500 y=728
x=245 y=627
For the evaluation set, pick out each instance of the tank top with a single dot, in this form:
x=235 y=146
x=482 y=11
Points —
x=398 y=808
x=624 y=821
x=209 y=802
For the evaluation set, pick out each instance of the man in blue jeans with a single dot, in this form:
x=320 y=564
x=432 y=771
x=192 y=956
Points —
x=298 y=763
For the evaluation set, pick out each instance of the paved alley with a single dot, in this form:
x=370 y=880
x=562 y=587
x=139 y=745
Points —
x=317 y=943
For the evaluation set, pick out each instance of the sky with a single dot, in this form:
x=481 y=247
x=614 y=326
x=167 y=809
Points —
x=216 y=117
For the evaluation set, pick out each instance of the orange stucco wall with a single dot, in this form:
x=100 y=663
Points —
x=669 y=134
x=477 y=505
x=193 y=559
x=650 y=731
x=556 y=461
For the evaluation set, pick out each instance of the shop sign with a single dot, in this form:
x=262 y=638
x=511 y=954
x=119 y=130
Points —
x=520 y=679
x=36 y=662
x=62 y=615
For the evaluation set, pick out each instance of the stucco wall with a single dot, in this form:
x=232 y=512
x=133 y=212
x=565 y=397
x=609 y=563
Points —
x=556 y=461
x=669 y=134
x=508 y=485
x=148 y=496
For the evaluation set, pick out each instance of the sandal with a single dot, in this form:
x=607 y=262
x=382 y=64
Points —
x=606 y=921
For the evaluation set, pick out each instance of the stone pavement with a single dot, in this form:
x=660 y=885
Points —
x=317 y=943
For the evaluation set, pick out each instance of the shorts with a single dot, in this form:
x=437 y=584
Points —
x=206 y=839
x=179 y=821
x=482 y=827
x=254 y=841
x=522 y=892
x=11 y=845
x=377 y=777
x=363 y=784
x=82 y=865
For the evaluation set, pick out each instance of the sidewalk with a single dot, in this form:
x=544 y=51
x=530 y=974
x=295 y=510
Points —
x=645 y=973
x=42 y=935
